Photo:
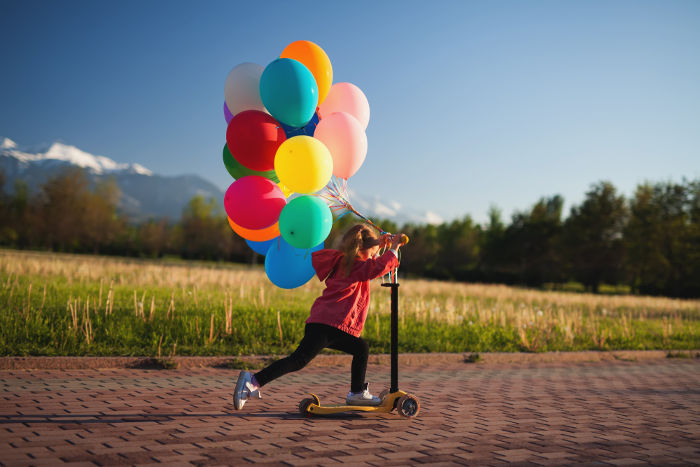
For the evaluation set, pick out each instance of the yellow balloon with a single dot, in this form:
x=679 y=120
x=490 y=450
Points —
x=286 y=191
x=303 y=164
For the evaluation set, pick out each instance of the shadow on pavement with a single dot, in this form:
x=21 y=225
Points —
x=140 y=418
x=130 y=418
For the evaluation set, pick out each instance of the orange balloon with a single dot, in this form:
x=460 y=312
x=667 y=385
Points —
x=262 y=235
x=316 y=60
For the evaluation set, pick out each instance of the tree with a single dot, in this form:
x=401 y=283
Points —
x=101 y=224
x=8 y=235
x=206 y=234
x=421 y=254
x=594 y=237
x=531 y=244
x=663 y=239
x=458 y=249
x=64 y=200
x=153 y=238
x=691 y=280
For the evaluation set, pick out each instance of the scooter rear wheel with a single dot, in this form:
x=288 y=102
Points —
x=408 y=406
x=304 y=406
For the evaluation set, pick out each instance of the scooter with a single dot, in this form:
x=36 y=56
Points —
x=407 y=405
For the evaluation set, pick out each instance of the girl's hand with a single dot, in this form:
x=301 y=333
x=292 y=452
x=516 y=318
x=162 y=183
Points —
x=385 y=241
x=396 y=241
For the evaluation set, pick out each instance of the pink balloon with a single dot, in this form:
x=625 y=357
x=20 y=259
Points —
x=254 y=202
x=346 y=97
x=227 y=114
x=346 y=140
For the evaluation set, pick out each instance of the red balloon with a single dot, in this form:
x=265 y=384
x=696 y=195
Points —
x=254 y=202
x=253 y=138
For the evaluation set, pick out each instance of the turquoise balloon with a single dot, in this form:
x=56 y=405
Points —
x=305 y=221
x=289 y=92
x=288 y=267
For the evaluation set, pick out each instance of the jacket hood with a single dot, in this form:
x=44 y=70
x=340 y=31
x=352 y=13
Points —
x=324 y=261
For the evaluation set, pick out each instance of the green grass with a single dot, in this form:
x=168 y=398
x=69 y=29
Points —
x=59 y=305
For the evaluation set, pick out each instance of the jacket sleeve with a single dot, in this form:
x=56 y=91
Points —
x=373 y=268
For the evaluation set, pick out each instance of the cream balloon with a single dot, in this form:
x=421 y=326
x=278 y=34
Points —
x=242 y=88
x=346 y=140
x=346 y=97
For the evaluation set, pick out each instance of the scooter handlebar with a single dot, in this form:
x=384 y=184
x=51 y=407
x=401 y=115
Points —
x=404 y=238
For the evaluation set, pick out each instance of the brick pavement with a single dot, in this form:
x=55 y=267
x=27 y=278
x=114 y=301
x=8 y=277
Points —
x=605 y=413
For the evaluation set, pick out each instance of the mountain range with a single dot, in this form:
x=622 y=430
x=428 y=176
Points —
x=147 y=195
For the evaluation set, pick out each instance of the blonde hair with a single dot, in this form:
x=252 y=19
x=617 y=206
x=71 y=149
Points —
x=358 y=237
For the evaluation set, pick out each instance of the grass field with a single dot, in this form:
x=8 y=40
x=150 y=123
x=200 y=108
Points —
x=56 y=304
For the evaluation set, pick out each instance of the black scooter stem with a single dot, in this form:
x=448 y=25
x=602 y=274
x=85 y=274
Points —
x=394 y=335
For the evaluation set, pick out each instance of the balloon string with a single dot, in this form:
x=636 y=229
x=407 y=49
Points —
x=337 y=196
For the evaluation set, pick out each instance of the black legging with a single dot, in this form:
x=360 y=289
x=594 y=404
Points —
x=316 y=338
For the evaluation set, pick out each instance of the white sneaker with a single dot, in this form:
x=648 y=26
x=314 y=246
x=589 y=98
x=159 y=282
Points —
x=244 y=390
x=362 y=398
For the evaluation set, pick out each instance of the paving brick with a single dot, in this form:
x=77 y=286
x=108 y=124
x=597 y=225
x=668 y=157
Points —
x=627 y=461
x=604 y=413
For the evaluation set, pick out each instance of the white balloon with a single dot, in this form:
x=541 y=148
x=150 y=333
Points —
x=242 y=88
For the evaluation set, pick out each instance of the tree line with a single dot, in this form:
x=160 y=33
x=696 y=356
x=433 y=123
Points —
x=649 y=242
x=69 y=214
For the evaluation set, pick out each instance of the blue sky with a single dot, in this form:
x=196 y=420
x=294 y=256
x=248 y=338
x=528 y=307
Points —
x=473 y=104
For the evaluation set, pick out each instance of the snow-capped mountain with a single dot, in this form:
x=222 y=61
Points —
x=143 y=194
x=59 y=153
x=148 y=195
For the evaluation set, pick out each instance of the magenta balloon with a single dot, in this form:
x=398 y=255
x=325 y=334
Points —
x=254 y=202
x=346 y=97
x=227 y=114
x=346 y=140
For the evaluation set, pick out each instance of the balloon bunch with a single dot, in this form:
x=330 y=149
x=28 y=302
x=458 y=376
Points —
x=290 y=130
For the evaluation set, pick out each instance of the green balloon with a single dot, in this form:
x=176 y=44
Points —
x=305 y=221
x=237 y=170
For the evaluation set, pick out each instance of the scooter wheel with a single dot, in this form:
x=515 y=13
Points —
x=408 y=406
x=304 y=406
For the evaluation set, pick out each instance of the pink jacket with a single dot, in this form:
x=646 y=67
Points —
x=345 y=301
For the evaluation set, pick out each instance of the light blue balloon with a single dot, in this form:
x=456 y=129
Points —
x=261 y=247
x=289 y=92
x=288 y=267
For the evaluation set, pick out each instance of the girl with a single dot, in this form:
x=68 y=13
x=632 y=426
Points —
x=337 y=316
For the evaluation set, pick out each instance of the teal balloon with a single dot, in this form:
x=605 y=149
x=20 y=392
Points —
x=305 y=221
x=289 y=92
x=288 y=267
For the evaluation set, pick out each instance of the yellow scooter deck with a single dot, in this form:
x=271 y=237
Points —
x=314 y=407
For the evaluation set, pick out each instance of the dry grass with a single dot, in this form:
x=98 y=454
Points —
x=536 y=319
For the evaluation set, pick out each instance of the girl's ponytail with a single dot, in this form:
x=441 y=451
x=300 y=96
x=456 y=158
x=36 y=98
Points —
x=358 y=237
